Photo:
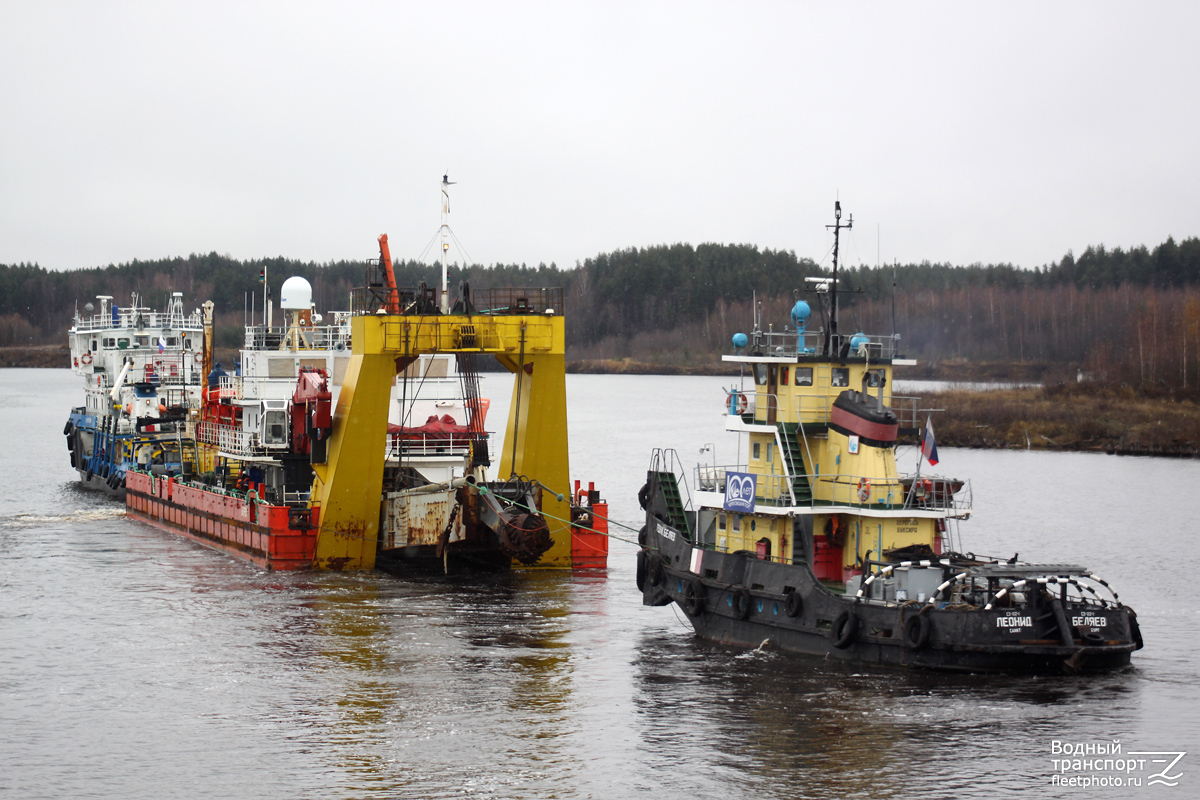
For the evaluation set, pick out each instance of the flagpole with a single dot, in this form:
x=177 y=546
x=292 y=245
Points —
x=920 y=459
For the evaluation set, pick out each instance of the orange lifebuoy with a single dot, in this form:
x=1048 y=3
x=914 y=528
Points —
x=742 y=404
x=85 y=359
x=199 y=357
x=864 y=489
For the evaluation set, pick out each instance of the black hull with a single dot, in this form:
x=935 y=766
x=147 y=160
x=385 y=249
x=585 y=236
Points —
x=740 y=600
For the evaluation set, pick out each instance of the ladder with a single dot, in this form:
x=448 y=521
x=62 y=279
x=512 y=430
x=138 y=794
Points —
x=676 y=515
x=793 y=461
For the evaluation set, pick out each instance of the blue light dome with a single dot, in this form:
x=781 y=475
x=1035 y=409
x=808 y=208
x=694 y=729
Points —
x=800 y=315
x=740 y=340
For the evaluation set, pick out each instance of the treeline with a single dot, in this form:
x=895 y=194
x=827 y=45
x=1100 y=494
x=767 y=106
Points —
x=1129 y=317
x=37 y=305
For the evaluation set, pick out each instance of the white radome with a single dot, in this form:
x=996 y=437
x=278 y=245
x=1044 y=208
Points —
x=296 y=294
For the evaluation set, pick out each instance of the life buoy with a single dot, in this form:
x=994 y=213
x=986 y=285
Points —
x=199 y=357
x=739 y=601
x=864 y=489
x=85 y=359
x=843 y=630
x=794 y=604
x=743 y=404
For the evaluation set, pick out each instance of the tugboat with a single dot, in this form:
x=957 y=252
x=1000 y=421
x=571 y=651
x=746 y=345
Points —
x=142 y=372
x=818 y=544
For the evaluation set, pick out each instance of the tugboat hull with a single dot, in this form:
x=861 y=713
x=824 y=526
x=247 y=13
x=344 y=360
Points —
x=741 y=600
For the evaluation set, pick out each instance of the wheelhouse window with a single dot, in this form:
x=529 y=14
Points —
x=804 y=376
x=755 y=448
x=760 y=374
x=875 y=378
x=840 y=377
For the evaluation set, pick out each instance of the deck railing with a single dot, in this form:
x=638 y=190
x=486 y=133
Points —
x=890 y=492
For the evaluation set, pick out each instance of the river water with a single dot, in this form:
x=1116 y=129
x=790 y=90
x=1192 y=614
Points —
x=134 y=663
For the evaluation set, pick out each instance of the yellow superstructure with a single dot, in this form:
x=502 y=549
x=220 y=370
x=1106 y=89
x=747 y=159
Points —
x=817 y=478
x=349 y=486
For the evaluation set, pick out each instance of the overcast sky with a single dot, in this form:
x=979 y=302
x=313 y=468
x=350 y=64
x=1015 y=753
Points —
x=960 y=132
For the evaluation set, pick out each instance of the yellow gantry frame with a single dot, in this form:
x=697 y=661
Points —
x=348 y=488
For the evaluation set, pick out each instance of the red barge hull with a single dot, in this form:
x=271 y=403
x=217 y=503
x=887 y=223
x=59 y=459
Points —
x=246 y=528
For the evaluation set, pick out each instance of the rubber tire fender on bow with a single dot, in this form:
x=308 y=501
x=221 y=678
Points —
x=739 y=600
x=843 y=630
x=692 y=602
x=916 y=632
x=655 y=570
x=794 y=605
x=644 y=495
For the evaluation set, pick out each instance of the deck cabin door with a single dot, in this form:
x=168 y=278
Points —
x=772 y=393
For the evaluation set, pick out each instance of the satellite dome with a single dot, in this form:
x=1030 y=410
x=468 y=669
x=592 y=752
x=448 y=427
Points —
x=296 y=294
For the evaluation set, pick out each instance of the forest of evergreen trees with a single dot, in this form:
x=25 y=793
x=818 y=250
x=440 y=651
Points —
x=1124 y=316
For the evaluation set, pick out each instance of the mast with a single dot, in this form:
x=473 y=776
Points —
x=831 y=335
x=446 y=184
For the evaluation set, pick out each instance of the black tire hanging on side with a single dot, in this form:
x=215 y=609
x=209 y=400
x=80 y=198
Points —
x=693 y=598
x=1135 y=630
x=641 y=570
x=916 y=632
x=655 y=570
x=843 y=630
x=740 y=601
x=794 y=605
x=644 y=495
x=642 y=536
x=69 y=427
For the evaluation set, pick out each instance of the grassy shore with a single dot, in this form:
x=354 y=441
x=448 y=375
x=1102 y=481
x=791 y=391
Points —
x=1067 y=417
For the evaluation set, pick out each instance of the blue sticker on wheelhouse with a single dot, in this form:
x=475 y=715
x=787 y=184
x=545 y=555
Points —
x=739 y=491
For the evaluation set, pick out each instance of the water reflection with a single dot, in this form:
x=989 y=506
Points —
x=796 y=726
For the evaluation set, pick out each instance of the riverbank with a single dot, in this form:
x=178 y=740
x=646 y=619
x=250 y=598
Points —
x=1071 y=417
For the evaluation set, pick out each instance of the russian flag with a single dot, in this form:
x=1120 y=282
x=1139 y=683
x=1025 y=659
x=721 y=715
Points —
x=162 y=345
x=928 y=445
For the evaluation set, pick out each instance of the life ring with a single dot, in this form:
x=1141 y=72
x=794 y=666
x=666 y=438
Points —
x=864 y=489
x=85 y=359
x=693 y=598
x=794 y=604
x=743 y=404
x=739 y=601
x=916 y=631
x=199 y=357
x=843 y=630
